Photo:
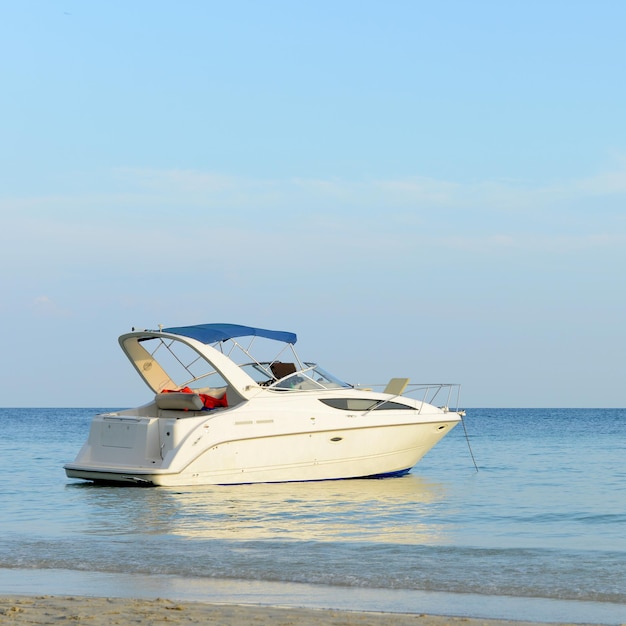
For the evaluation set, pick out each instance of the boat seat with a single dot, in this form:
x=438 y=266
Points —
x=396 y=386
x=280 y=370
x=179 y=401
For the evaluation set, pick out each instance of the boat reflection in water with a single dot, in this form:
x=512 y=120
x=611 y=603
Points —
x=398 y=511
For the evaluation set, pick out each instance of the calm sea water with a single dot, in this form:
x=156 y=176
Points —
x=543 y=521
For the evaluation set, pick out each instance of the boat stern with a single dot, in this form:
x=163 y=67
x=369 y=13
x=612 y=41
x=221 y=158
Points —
x=132 y=448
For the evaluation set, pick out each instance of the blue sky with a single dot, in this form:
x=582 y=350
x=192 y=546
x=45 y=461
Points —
x=426 y=189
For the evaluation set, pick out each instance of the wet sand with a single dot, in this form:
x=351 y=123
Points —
x=46 y=609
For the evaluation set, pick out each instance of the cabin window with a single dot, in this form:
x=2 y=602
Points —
x=364 y=404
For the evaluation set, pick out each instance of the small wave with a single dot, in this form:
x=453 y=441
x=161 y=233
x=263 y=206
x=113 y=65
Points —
x=590 y=576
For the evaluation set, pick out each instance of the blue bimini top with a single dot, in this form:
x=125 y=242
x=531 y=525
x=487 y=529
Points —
x=212 y=333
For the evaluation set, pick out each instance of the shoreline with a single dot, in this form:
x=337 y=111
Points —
x=25 y=610
x=63 y=591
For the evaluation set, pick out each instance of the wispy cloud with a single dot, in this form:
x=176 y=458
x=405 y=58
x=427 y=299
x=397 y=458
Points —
x=44 y=306
x=541 y=243
x=415 y=192
x=180 y=181
x=149 y=207
x=607 y=183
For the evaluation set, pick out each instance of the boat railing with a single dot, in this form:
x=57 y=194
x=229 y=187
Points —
x=446 y=396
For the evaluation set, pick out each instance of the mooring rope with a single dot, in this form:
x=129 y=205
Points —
x=469 y=447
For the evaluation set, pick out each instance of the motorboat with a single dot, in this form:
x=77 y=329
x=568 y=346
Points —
x=219 y=415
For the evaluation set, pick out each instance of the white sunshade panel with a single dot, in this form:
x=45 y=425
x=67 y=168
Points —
x=183 y=364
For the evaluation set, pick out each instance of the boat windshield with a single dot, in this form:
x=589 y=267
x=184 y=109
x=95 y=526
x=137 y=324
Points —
x=286 y=376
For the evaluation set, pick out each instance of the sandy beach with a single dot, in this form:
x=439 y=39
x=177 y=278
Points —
x=34 y=610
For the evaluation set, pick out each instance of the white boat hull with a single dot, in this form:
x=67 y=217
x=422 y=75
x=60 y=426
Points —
x=135 y=450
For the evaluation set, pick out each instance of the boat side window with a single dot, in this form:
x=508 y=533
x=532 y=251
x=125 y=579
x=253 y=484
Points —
x=364 y=404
